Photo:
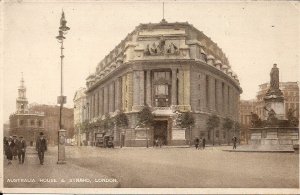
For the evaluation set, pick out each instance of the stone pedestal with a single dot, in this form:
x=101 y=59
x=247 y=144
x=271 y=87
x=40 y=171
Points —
x=61 y=146
x=277 y=104
x=274 y=137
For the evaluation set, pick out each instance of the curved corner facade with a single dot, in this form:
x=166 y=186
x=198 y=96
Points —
x=170 y=67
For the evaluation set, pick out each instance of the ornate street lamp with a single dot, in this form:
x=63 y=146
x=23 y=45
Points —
x=63 y=29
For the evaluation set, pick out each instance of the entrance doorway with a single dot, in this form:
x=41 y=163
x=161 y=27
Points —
x=161 y=131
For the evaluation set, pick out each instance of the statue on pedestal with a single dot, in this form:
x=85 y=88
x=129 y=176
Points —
x=274 y=83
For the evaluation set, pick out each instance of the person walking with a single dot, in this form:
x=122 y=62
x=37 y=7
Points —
x=15 y=149
x=21 y=150
x=197 y=143
x=203 y=143
x=5 y=141
x=234 y=140
x=41 y=147
x=156 y=142
x=10 y=145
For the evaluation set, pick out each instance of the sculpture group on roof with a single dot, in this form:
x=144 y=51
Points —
x=160 y=48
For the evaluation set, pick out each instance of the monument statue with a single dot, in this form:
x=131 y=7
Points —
x=274 y=82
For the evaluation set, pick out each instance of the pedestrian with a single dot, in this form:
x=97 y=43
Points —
x=234 y=140
x=21 y=150
x=159 y=142
x=41 y=147
x=203 y=143
x=15 y=149
x=197 y=143
x=9 y=150
x=5 y=140
x=156 y=142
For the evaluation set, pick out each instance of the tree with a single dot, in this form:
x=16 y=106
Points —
x=108 y=122
x=186 y=120
x=121 y=121
x=145 y=119
x=212 y=123
x=227 y=125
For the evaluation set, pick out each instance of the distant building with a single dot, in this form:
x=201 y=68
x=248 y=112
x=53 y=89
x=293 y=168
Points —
x=51 y=121
x=79 y=114
x=6 y=129
x=24 y=122
x=290 y=92
x=246 y=107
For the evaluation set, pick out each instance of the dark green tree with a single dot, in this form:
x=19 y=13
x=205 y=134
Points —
x=212 y=123
x=186 y=120
x=227 y=126
x=108 y=122
x=121 y=121
x=145 y=119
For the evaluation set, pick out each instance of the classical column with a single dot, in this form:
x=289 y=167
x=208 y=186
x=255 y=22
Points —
x=212 y=95
x=219 y=96
x=116 y=92
x=93 y=106
x=120 y=93
x=186 y=88
x=142 y=88
x=136 y=88
x=202 y=92
x=97 y=103
x=174 y=87
x=111 y=97
x=100 y=102
x=106 y=100
x=148 y=87
x=130 y=90
x=180 y=87
x=225 y=99
x=229 y=101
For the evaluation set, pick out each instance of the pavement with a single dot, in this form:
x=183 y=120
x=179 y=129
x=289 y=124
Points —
x=262 y=148
x=32 y=175
x=164 y=167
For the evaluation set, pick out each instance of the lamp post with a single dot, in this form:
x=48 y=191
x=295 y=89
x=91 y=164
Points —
x=63 y=29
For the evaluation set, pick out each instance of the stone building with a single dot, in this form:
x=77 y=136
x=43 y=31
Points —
x=79 y=101
x=51 y=121
x=290 y=92
x=24 y=122
x=170 y=67
x=246 y=107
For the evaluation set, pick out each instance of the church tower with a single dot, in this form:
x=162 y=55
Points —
x=22 y=102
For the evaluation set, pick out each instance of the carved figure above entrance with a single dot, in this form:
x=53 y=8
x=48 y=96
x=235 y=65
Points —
x=161 y=48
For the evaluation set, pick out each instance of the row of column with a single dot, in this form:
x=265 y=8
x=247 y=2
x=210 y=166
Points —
x=215 y=95
x=142 y=90
x=105 y=99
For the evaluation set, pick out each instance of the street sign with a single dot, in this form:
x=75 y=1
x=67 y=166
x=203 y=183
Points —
x=61 y=99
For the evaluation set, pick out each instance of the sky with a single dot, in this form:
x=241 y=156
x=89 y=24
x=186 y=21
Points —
x=253 y=35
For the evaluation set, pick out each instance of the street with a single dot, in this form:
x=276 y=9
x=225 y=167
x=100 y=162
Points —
x=165 y=167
